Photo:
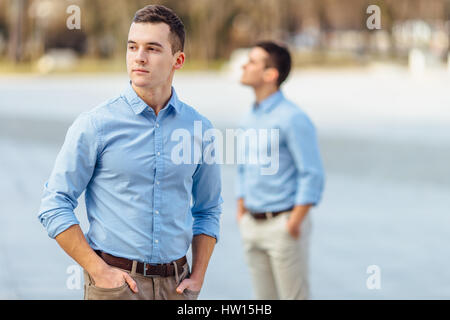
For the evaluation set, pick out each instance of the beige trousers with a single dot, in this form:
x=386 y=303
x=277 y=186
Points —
x=278 y=263
x=150 y=288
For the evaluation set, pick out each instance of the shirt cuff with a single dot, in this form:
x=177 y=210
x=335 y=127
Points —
x=59 y=222
x=239 y=189
x=210 y=228
x=308 y=197
x=239 y=195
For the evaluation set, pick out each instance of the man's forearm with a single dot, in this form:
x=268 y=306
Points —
x=73 y=242
x=202 y=249
x=241 y=206
x=299 y=212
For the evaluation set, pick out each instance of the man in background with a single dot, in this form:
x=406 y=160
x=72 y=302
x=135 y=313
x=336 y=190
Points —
x=272 y=209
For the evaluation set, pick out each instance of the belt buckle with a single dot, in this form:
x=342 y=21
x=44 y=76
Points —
x=146 y=266
x=163 y=273
x=145 y=269
x=269 y=215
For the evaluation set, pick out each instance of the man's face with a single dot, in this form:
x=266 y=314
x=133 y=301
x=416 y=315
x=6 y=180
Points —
x=254 y=70
x=150 y=62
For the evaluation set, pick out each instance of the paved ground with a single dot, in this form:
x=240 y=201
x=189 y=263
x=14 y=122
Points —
x=386 y=201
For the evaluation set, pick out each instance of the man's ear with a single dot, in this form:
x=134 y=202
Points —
x=271 y=75
x=179 y=60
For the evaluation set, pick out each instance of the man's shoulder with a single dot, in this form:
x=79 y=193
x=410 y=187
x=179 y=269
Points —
x=101 y=110
x=94 y=118
x=290 y=111
x=106 y=106
x=189 y=113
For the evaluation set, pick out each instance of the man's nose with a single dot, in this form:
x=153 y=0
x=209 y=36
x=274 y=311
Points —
x=141 y=57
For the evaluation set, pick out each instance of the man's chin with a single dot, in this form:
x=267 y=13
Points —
x=244 y=83
x=141 y=83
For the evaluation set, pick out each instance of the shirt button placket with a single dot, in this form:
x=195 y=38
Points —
x=157 y=191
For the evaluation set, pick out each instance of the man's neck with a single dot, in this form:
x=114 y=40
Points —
x=156 y=98
x=261 y=93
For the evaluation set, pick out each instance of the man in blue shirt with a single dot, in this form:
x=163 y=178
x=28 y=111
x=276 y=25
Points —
x=274 y=198
x=144 y=208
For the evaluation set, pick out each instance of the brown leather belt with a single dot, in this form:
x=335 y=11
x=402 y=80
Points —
x=268 y=214
x=146 y=269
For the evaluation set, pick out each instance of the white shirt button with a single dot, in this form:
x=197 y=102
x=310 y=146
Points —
x=159 y=153
x=156 y=241
x=157 y=212
x=157 y=182
x=157 y=125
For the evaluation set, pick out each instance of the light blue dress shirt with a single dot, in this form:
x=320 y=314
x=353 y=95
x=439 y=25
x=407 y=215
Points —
x=140 y=204
x=299 y=179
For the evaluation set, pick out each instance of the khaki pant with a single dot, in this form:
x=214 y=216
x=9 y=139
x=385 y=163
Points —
x=278 y=263
x=150 y=288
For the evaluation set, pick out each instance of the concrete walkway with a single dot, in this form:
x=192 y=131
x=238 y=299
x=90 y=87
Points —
x=386 y=201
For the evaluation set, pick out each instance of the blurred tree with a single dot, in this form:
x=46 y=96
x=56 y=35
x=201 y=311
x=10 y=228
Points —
x=447 y=26
x=214 y=27
x=17 y=25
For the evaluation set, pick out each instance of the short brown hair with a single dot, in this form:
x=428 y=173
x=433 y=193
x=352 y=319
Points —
x=279 y=58
x=159 y=13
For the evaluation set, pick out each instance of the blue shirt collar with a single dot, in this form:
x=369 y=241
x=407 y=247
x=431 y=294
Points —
x=138 y=105
x=269 y=103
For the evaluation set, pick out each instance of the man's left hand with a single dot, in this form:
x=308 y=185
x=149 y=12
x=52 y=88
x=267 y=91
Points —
x=295 y=219
x=293 y=227
x=190 y=284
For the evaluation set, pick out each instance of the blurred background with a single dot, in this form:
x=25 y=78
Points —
x=380 y=100
x=34 y=36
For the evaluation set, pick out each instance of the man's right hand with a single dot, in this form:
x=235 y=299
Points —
x=241 y=211
x=110 y=277
x=74 y=243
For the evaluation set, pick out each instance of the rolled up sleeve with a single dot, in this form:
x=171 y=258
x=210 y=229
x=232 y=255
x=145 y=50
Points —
x=207 y=200
x=303 y=145
x=72 y=171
